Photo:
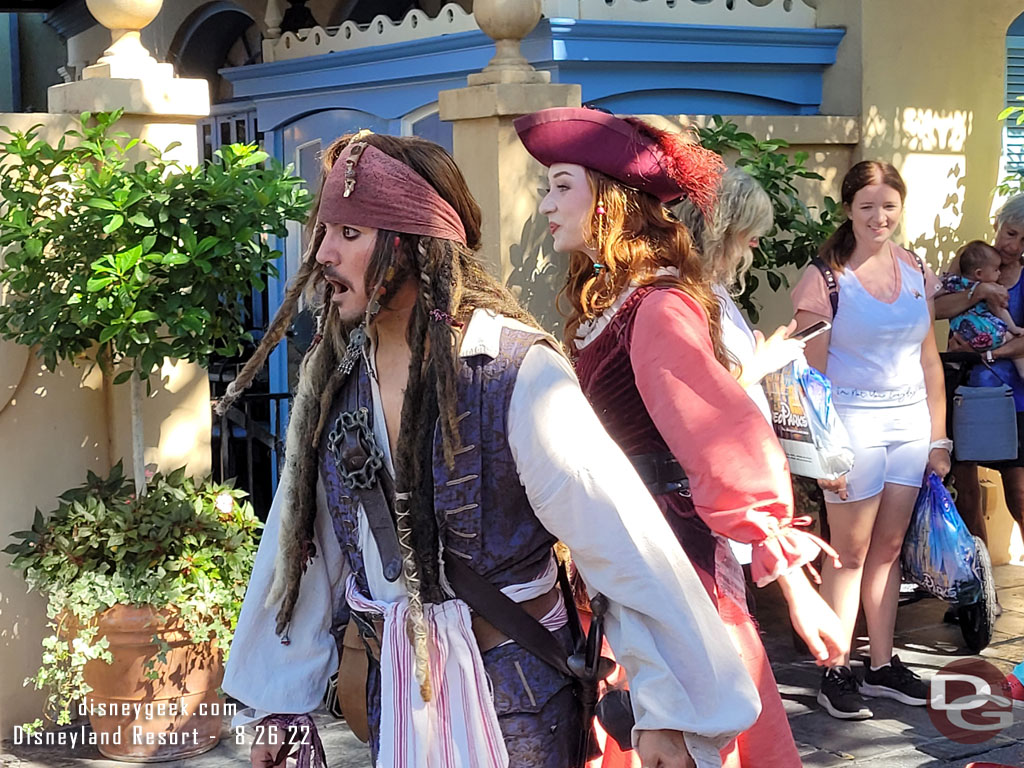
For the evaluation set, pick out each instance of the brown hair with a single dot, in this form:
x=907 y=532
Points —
x=452 y=281
x=974 y=255
x=838 y=249
x=634 y=238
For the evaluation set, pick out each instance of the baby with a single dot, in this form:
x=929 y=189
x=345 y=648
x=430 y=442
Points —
x=980 y=326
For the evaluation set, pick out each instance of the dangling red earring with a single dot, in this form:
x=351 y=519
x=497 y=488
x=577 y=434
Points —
x=600 y=213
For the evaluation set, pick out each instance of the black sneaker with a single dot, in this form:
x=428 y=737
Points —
x=896 y=681
x=840 y=697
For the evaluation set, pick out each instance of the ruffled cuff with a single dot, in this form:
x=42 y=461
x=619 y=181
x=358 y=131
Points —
x=784 y=550
x=704 y=751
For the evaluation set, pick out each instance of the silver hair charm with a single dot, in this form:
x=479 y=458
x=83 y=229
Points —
x=357 y=343
x=352 y=161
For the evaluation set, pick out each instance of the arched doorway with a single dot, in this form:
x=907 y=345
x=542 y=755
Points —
x=215 y=35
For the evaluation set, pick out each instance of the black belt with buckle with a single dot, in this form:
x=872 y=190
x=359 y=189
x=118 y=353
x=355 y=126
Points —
x=661 y=473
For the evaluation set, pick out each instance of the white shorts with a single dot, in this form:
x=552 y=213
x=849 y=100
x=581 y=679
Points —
x=890 y=445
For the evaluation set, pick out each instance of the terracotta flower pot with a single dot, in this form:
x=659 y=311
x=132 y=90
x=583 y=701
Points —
x=141 y=720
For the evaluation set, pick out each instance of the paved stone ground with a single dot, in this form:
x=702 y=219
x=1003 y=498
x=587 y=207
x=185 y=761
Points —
x=897 y=737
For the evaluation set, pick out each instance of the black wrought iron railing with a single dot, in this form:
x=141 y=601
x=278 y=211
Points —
x=248 y=445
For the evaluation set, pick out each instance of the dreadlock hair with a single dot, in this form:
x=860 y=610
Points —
x=637 y=236
x=452 y=282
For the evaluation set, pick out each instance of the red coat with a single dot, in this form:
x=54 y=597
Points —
x=652 y=376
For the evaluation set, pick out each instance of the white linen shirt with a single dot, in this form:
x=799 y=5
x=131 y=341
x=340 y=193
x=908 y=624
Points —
x=684 y=671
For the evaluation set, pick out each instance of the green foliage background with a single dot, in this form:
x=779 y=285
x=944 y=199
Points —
x=798 y=229
x=136 y=259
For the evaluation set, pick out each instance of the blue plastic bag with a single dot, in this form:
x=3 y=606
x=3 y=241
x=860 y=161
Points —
x=809 y=430
x=938 y=550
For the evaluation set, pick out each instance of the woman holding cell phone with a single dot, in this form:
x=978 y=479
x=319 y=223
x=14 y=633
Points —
x=888 y=390
x=724 y=240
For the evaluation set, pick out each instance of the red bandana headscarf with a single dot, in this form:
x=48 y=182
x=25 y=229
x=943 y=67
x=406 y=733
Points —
x=368 y=188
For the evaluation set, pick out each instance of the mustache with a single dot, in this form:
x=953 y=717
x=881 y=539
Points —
x=334 y=278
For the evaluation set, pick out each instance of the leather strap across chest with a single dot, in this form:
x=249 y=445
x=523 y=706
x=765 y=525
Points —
x=354 y=448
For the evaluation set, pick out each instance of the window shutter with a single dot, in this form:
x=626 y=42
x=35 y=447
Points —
x=1014 y=89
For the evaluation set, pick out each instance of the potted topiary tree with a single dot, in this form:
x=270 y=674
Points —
x=119 y=257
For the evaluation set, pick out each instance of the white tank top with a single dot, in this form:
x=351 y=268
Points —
x=874 y=355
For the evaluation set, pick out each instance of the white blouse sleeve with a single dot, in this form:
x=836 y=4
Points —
x=684 y=672
x=264 y=674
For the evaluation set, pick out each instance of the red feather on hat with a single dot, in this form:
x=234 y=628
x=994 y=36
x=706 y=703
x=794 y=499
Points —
x=697 y=171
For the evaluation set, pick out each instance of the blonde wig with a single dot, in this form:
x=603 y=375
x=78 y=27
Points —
x=742 y=212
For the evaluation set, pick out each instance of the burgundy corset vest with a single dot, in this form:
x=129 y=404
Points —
x=606 y=375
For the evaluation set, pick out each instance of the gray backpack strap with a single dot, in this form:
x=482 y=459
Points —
x=920 y=266
x=831 y=283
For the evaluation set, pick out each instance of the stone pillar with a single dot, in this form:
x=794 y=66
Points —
x=272 y=19
x=502 y=176
x=158 y=106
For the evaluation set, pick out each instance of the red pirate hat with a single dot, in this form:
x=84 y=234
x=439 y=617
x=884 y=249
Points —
x=663 y=164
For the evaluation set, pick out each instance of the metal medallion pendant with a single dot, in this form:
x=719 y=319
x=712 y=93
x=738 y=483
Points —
x=354 y=449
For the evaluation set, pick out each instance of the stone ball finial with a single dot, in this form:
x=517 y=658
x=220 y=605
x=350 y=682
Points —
x=126 y=57
x=507 y=19
x=124 y=14
x=507 y=22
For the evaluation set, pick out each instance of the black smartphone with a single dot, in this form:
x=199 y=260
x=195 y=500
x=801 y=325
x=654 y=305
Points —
x=811 y=331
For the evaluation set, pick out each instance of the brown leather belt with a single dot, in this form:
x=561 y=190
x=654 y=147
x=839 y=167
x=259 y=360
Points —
x=661 y=473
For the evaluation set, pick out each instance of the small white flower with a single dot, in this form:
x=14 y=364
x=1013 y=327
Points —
x=224 y=503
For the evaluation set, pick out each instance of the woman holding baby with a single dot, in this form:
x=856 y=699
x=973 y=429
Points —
x=1005 y=294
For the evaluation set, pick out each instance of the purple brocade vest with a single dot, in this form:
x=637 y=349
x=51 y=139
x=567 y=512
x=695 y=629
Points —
x=483 y=512
x=485 y=518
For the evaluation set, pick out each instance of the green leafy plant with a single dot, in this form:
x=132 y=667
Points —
x=184 y=545
x=116 y=253
x=798 y=229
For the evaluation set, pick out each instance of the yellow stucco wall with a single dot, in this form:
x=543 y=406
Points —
x=56 y=426
x=51 y=431
x=926 y=78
